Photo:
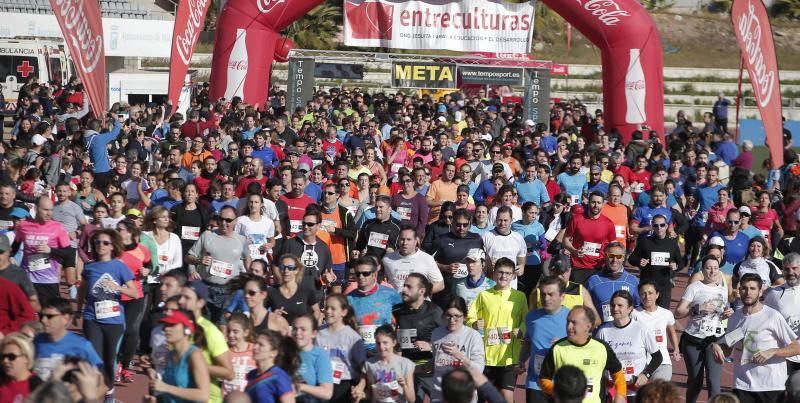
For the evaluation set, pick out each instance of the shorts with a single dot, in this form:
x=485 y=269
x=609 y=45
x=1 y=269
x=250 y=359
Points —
x=502 y=377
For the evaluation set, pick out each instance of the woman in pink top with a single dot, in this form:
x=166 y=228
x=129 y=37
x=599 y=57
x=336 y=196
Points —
x=718 y=212
x=765 y=219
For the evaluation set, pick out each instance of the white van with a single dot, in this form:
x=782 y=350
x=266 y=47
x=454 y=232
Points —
x=20 y=58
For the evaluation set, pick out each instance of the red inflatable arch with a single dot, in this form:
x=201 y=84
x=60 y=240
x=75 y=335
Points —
x=247 y=39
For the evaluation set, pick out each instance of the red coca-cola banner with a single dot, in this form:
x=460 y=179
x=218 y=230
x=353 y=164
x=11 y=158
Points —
x=246 y=43
x=754 y=33
x=82 y=28
x=188 y=24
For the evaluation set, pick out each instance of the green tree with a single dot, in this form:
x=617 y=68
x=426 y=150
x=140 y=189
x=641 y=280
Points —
x=321 y=28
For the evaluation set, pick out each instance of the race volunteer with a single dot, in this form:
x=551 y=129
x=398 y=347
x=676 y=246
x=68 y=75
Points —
x=661 y=326
x=631 y=342
x=451 y=251
x=416 y=319
x=296 y=202
x=314 y=254
x=502 y=242
x=592 y=356
x=219 y=255
x=586 y=237
x=372 y=302
x=786 y=299
x=340 y=224
x=618 y=213
x=657 y=256
x=42 y=239
x=500 y=314
x=408 y=259
x=574 y=294
x=476 y=281
x=379 y=235
x=759 y=368
x=611 y=279
x=543 y=327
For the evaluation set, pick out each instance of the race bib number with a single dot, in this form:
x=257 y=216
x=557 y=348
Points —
x=39 y=264
x=407 y=338
x=386 y=392
x=492 y=336
x=659 y=259
x=637 y=188
x=591 y=249
x=329 y=225
x=295 y=226
x=378 y=240
x=220 y=269
x=711 y=327
x=551 y=233
x=794 y=323
x=395 y=168
x=619 y=230
x=462 y=271
x=606 y=312
x=627 y=366
x=338 y=371
x=659 y=336
x=255 y=251
x=589 y=386
x=368 y=333
x=106 y=309
x=190 y=233
x=4 y=225
x=405 y=212
x=505 y=334
x=574 y=199
x=537 y=364
x=765 y=233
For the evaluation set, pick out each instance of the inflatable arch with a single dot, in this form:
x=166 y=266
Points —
x=248 y=40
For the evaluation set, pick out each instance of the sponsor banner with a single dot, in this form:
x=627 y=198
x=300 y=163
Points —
x=466 y=26
x=754 y=33
x=188 y=24
x=82 y=29
x=337 y=70
x=423 y=75
x=490 y=75
x=121 y=37
x=300 y=85
x=559 y=69
x=537 y=96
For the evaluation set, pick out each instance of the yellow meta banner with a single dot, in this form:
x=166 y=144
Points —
x=423 y=75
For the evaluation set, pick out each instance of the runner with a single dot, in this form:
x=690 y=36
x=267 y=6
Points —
x=502 y=242
x=257 y=228
x=379 y=235
x=276 y=357
x=657 y=256
x=611 y=279
x=785 y=299
x=661 y=324
x=313 y=254
x=455 y=345
x=756 y=262
x=344 y=345
x=476 y=281
x=292 y=299
x=239 y=332
x=409 y=259
x=390 y=377
x=315 y=373
x=533 y=233
x=587 y=236
x=372 y=302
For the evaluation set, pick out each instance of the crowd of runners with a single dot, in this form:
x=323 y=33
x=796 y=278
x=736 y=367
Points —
x=389 y=247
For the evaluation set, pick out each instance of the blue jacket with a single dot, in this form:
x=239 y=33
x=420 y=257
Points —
x=97 y=145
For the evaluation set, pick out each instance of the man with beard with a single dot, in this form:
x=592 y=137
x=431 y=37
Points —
x=586 y=237
x=451 y=251
x=425 y=151
x=785 y=299
x=573 y=182
x=416 y=318
x=759 y=369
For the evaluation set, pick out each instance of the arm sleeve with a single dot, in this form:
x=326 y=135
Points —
x=655 y=360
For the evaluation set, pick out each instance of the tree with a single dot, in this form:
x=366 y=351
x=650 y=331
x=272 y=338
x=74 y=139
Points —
x=319 y=29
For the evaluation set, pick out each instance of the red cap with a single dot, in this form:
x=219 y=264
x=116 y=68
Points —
x=178 y=317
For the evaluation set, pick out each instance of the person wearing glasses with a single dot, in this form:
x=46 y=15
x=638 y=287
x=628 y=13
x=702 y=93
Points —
x=657 y=256
x=612 y=278
x=216 y=258
x=454 y=345
x=314 y=255
x=16 y=359
x=372 y=302
x=735 y=241
x=292 y=298
x=500 y=314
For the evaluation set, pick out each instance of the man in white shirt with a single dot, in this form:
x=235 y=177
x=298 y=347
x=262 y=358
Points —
x=503 y=242
x=786 y=300
x=759 y=368
x=408 y=258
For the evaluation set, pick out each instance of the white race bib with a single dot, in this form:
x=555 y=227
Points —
x=106 y=309
x=659 y=336
x=407 y=338
x=338 y=371
x=711 y=327
x=386 y=392
x=368 y=333
x=629 y=369
x=190 y=233
x=659 y=259
x=255 y=251
x=295 y=226
x=606 y=313
x=637 y=188
x=620 y=231
x=378 y=240
x=462 y=271
x=492 y=336
x=765 y=233
x=405 y=212
x=395 y=168
x=537 y=364
x=39 y=264
x=329 y=225
x=220 y=269
x=591 y=249
x=574 y=199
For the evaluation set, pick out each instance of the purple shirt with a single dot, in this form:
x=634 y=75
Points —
x=744 y=161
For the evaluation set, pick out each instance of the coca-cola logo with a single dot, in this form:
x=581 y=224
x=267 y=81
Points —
x=185 y=41
x=79 y=32
x=607 y=11
x=634 y=85
x=763 y=78
x=238 y=65
x=266 y=6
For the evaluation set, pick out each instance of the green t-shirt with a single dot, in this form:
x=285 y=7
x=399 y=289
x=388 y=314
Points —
x=215 y=346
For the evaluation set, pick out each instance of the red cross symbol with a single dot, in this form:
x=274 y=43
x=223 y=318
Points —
x=25 y=69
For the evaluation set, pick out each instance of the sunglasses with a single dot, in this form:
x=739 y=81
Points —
x=331 y=193
x=9 y=356
x=615 y=256
x=461 y=224
x=733 y=222
x=309 y=224
x=252 y=293
x=660 y=225
x=496 y=151
x=288 y=267
x=98 y=242
x=364 y=273
x=227 y=220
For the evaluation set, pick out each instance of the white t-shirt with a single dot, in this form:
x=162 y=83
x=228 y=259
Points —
x=398 y=267
x=170 y=255
x=707 y=324
x=632 y=344
x=786 y=300
x=762 y=330
x=511 y=246
x=256 y=232
x=657 y=322
x=516 y=214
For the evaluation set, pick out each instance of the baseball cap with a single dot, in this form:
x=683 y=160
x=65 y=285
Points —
x=303 y=166
x=406 y=119
x=4 y=244
x=38 y=139
x=19 y=212
x=716 y=241
x=178 y=317
x=498 y=167
x=559 y=264
x=745 y=210
x=291 y=150
x=491 y=108
x=475 y=254
x=134 y=212
x=441 y=108
x=199 y=287
x=530 y=123
x=596 y=169
x=442 y=119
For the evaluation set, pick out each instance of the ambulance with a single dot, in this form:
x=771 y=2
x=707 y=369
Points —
x=24 y=57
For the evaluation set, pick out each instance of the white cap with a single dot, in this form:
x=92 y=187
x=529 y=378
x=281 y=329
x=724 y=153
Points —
x=442 y=119
x=530 y=122
x=475 y=254
x=716 y=241
x=38 y=139
x=745 y=210
x=406 y=119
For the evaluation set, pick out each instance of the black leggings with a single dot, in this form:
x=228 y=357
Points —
x=341 y=392
x=106 y=340
x=134 y=312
